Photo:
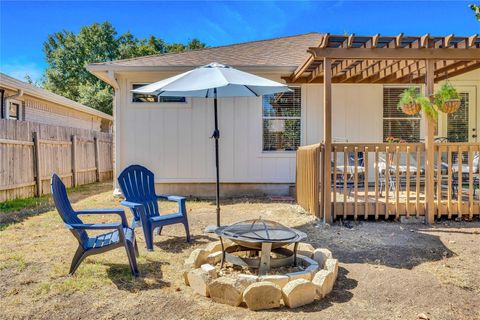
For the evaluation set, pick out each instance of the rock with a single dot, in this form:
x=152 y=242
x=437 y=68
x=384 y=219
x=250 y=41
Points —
x=298 y=293
x=422 y=316
x=321 y=255
x=305 y=249
x=185 y=277
x=262 y=295
x=213 y=247
x=197 y=258
x=199 y=281
x=226 y=290
x=214 y=258
x=210 y=270
x=279 y=280
x=323 y=281
x=332 y=265
x=307 y=275
x=244 y=280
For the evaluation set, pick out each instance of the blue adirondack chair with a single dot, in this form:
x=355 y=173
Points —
x=120 y=236
x=137 y=184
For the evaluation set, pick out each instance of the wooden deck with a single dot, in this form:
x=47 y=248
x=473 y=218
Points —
x=395 y=176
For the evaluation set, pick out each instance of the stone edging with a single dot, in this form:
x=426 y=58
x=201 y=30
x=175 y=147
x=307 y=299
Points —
x=262 y=292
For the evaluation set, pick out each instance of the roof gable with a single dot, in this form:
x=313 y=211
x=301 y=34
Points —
x=288 y=51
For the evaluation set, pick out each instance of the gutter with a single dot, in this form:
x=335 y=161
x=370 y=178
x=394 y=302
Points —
x=101 y=70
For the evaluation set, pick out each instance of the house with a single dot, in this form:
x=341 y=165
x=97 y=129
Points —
x=23 y=101
x=259 y=135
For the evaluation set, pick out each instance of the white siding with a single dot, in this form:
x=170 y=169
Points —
x=173 y=139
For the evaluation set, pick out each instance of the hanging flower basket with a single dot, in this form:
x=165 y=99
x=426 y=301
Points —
x=447 y=98
x=450 y=106
x=411 y=108
x=408 y=101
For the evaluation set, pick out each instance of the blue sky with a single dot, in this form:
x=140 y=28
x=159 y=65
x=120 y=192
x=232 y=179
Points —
x=24 y=26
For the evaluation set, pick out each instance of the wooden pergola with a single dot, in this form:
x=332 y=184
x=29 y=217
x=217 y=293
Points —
x=385 y=59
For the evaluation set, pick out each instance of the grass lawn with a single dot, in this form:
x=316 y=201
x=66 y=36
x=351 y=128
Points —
x=387 y=270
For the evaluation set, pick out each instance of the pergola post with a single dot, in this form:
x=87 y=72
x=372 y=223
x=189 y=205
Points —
x=429 y=147
x=327 y=139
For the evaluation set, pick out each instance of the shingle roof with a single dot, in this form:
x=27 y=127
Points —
x=288 y=51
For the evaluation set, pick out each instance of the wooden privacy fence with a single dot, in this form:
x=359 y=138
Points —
x=388 y=180
x=31 y=152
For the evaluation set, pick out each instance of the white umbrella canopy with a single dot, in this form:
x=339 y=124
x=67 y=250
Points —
x=212 y=81
x=202 y=81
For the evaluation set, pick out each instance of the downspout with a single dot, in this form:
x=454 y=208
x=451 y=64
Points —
x=7 y=99
x=110 y=75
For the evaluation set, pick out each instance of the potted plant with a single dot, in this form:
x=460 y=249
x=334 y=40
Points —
x=408 y=101
x=447 y=98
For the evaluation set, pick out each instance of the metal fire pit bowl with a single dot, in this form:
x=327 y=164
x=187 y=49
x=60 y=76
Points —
x=259 y=238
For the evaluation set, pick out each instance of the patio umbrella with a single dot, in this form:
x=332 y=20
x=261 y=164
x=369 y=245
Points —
x=214 y=80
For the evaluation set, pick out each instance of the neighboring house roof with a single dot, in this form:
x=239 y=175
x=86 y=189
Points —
x=14 y=84
x=288 y=51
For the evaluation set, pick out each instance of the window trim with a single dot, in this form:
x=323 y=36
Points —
x=164 y=104
x=19 y=109
x=283 y=153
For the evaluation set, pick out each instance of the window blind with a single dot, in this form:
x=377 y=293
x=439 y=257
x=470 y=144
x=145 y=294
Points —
x=282 y=120
x=397 y=124
x=457 y=123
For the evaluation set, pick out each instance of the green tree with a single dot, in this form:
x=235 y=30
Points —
x=67 y=55
x=476 y=9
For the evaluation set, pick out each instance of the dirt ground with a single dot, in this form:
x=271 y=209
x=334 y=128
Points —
x=388 y=270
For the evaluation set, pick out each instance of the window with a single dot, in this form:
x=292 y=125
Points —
x=14 y=111
x=397 y=124
x=457 y=123
x=281 y=121
x=138 y=97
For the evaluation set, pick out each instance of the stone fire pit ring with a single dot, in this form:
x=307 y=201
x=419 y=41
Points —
x=259 y=292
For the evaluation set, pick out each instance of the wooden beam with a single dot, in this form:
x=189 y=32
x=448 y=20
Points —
x=396 y=53
x=327 y=139
x=375 y=40
x=301 y=69
x=424 y=40
x=448 y=40
x=429 y=147
x=469 y=67
x=471 y=41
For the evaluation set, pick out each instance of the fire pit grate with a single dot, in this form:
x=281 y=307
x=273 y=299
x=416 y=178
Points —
x=259 y=238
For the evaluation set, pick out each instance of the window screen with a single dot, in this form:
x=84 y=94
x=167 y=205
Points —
x=281 y=121
x=138 y=97
x=397 y=124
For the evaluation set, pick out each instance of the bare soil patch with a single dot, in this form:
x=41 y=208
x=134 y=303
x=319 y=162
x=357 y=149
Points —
x=388 y=270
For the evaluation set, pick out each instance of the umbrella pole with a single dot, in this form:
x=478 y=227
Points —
x=216 y=135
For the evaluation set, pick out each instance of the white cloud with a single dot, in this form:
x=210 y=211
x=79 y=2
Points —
x=20 y=70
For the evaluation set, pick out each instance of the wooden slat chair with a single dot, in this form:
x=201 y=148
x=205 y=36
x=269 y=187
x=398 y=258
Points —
x=138 y=187
x=350 y=170
x=120 y=236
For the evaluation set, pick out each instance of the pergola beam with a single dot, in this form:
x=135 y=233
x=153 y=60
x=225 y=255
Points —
x=395 y=53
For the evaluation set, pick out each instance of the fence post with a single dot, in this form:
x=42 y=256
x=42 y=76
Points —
x=97 y=161
x=74 y=161
x=36 y=163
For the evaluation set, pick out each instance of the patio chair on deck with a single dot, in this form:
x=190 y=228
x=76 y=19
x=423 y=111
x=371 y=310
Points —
x=350 y=170
x=465 y=174
x=137 y=184
x=120 y=234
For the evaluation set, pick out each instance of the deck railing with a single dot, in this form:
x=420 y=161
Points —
x=387 y=180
